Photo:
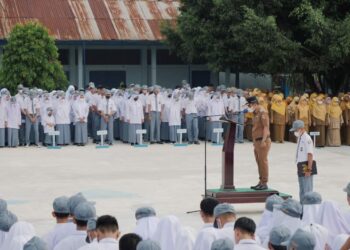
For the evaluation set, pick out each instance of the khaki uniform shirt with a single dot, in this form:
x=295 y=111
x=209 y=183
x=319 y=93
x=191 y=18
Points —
x=260 y=121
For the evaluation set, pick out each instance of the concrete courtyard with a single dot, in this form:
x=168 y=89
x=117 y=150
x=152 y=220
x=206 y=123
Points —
x=122 y=178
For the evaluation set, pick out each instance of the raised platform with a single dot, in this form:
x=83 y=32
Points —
x=243 y=195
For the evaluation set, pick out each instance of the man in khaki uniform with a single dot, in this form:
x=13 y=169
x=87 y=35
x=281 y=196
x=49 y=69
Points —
x=261 y=140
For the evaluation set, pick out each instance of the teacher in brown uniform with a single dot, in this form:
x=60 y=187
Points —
x=261 y=140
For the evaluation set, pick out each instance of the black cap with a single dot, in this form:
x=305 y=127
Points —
x=252 y=100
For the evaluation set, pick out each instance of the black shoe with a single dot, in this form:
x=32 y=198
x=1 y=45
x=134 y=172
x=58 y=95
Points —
x=152 y=142
x=190 y=142
x=132 y=144
x=262 y=187
x=196 y=142
x=160 y=142
x=254 y=187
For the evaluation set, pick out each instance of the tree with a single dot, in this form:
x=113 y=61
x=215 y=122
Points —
x=31 y=58
x=307 y=37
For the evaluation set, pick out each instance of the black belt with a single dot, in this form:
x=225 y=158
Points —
x=260 y=138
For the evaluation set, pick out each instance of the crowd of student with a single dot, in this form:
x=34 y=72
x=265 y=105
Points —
x=29 y=116
x=312 y=224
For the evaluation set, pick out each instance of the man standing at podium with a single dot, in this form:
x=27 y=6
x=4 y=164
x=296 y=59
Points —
x=261 y=140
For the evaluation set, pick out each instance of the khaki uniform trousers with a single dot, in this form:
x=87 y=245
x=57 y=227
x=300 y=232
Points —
x=261 y=154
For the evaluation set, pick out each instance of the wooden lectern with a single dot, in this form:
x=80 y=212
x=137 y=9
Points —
x=228 y=192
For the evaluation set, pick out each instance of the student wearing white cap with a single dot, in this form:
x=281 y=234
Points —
x=13 y=111
x=107 y=109
x=244 y=231
x=35 y=243
x=146 y=222
x=82 y=213
x=81 y=112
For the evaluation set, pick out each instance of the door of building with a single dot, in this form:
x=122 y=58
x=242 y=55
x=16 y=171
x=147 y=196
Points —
x=200 y=78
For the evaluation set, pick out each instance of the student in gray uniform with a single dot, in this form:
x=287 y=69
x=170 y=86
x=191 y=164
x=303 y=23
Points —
x=20 y=98
x=107 y=110
x=3 y=121
x=191 y=113
x=81 y=112
x=32 y=110
x=155 y=107
x=13 y=111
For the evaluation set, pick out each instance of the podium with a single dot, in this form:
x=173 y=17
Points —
x=228 y=192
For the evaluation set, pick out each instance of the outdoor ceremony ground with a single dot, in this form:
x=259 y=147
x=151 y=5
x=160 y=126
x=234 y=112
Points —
x=122 y=178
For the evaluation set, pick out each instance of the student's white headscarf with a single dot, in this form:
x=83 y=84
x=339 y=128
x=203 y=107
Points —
x=20 y=233
x=185 y=240
x=321 y=235
x=331 y=217
x=146 y=227
x=3 y=236
x=310 y=212
x=167 y=232
x=339 y=241
x=205 y=238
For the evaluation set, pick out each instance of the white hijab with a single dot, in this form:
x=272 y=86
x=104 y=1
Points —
x=3 y=236
x=310 y=212
x=146 y=227
x=20 y=233
x=321 y=235
x=167 y=232
x=264 y=226
x=331 y=217
x=205 y=238
x=185 y=240
x=339 y=241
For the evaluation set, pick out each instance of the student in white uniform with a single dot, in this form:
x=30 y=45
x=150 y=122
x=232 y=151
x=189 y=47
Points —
x=311 y=206
x=155 y=108
x=20 y=97
x=225 y=216
x=244 y=231
x=164 y=126
x=238 y=114
x=13 y=111
x=107 y=110
x=191 y=116
x=216 y=109
x=135 y=116
x=32 y=110
x=82 y=213
x=146 y=222
x=81 y=112
x=63 y=227
x=62 y=112
x=49 y=123
x=174 y=118
x=3 y=122
x=305 y=154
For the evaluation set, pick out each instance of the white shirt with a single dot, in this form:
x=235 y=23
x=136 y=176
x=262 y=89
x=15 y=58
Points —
x=58 y=233
x=155 y=106
x=216 y=109
x=305 y=147
x=73 y=242
x=107 y=106
x=62 y=111
x=248 y=245
x=32 y=106
x=49 y=120
x=190 y=107
x=21 y=100
x=134 y=111
x=237 y=104
x=13 y=115
x=81 y=110
x=175 y=113
x=145 y=227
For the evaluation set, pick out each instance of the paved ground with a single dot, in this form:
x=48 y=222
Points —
x=122 y=178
